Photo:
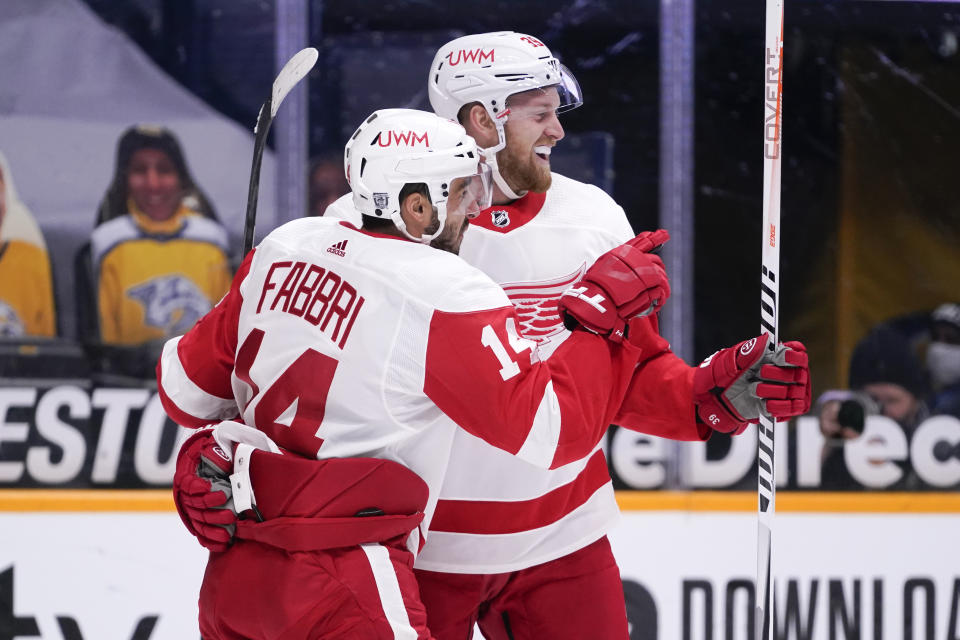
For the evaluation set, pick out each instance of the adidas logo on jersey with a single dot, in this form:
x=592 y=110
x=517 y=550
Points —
x=338 y=248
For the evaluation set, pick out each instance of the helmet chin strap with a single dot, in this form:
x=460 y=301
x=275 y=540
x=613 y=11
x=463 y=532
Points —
x=490 y=158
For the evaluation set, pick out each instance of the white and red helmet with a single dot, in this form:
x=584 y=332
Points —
x=395 y=147
x=490 y=67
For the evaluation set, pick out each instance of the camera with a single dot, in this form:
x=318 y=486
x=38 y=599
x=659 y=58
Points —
x=841 y=409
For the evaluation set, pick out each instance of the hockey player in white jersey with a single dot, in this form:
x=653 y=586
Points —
x=355 y=355
x=521 y=551
x=539 y=564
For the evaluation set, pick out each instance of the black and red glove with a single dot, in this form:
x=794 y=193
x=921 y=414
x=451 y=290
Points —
x=625 y=282
x=733 y=386
x=202 y=491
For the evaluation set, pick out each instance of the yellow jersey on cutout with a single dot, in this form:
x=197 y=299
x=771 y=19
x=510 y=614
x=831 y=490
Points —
x=155 y=279
x=26 y=291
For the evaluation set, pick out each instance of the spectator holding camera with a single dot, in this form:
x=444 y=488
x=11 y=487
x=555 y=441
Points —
x=943 y=360
x=885 y=379
x=159 y=257
x=884 y=367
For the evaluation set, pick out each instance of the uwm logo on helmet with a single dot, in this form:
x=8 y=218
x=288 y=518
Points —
x=472 y=55
x=402 y=138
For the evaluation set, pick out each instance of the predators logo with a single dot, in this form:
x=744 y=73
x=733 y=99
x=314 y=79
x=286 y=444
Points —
x=536 y=304
x=171 y=303
x=10 y=324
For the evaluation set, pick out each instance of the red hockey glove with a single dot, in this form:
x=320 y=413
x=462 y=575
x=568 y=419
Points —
x=732 y=387
x=649 y=241
x=623 y=283
x=202 y=491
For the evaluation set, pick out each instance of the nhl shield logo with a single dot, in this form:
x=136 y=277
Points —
x=500 y=218
x=380 y=200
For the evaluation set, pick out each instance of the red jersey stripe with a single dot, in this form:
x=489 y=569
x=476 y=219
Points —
x=178 y=415
x=497 y=517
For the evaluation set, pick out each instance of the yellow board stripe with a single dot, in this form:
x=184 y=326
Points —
x=790 y=502
x=84 y=500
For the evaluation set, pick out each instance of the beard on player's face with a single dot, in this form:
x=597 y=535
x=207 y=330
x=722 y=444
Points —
x=521 y=167
x=451 y=237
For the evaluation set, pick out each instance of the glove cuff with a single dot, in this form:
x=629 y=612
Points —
x=714 y=413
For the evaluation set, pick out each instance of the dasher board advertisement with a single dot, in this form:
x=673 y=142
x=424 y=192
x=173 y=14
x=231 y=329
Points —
x=688 y=572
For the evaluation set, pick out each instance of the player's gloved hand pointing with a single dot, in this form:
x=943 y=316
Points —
x=734 y=385
x=202 y=491
x=625 y=282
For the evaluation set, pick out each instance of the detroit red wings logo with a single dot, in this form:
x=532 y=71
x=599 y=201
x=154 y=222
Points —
x=536 y=304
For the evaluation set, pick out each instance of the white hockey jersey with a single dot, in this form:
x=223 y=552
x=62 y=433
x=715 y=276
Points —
x=507 y=516
x=503 y=514
x=338 y=342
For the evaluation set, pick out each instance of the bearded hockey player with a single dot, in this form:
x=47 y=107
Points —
x=350 y=357
x=539 y=564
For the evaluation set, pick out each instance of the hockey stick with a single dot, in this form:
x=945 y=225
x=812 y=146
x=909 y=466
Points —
x=293 y=72
x=769 y=300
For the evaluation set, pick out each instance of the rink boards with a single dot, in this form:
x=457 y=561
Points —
x=119 y=565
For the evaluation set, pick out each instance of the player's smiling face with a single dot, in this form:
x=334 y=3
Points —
x=532 y=130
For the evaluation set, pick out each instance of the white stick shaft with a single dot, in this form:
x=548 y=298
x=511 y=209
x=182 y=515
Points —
x=769 y=303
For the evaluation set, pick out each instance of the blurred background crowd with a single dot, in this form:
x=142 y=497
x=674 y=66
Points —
x=125 y=149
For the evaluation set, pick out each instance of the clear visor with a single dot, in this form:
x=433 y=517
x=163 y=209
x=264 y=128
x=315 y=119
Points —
x=469 y=195
x=569 y=91
x=548 y=100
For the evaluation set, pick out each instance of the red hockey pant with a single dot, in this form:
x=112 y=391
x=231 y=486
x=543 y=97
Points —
x=259 y=592
x=577 y=596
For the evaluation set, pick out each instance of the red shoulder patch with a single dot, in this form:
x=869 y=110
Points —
x=504 y=218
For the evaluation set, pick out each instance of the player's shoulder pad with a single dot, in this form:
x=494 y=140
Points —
x=589 y=204
x=580 y=192
x=446 y=282
x=301 y=230
x=297 y=239
x=342 y=209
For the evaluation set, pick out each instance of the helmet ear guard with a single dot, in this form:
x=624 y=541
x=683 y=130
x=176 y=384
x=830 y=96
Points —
x=396 y=147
